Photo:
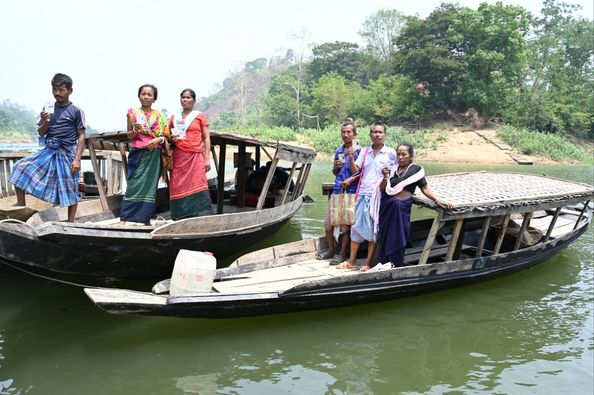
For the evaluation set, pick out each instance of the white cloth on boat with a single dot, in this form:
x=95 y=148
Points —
x=376 y=197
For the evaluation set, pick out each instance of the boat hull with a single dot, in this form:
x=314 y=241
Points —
x=348 y=291
x=117 y=255
x=8 y=210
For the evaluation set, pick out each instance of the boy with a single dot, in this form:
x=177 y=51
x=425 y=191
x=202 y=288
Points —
x=52 y=174
x=344 y=160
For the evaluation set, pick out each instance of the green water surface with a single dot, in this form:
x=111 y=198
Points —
x=527 y=333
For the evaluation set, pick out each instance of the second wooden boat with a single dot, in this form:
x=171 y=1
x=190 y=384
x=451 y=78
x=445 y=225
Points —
x=98 y=245
x=492 y=230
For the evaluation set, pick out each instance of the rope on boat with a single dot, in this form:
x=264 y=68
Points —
x=47 y=277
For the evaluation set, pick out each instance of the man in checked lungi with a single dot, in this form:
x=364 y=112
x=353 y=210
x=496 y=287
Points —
x=344 y=159
x=52 y=174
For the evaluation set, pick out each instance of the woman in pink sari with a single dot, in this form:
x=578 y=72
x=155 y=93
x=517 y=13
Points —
x=147 y=131
x=188 y=186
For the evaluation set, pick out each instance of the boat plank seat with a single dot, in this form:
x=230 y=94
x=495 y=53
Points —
x=279 y=278
x=412 y=255
x=109 y=221
x=562 y=225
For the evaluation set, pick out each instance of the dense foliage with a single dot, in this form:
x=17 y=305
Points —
x=17 y=123
x=500 y=61
x=558 y=94
x=532 y=72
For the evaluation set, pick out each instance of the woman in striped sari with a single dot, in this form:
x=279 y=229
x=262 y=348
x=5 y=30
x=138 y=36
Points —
x=147 y=128
x=188 y=186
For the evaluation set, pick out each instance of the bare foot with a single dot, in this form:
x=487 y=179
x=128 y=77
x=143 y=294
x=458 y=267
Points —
x=346 y=265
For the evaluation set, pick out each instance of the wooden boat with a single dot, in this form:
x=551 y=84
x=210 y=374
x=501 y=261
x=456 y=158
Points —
x=478 y=239
x=8 y=210
x=98 y=245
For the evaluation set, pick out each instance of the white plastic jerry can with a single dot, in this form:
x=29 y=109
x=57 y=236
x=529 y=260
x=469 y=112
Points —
x=193 y=273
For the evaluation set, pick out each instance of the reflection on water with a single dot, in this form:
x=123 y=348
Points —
x=4 y=384
x=531 y=332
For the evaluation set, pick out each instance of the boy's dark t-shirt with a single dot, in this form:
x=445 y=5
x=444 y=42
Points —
x=64 y=125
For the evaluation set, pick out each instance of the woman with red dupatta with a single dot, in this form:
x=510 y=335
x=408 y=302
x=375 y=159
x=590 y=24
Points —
x=188 y=186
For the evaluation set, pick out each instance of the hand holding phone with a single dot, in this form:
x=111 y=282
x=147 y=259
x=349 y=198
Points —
x=49 y=107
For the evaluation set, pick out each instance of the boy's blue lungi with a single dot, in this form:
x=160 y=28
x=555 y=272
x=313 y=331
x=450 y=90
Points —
x=47 y=175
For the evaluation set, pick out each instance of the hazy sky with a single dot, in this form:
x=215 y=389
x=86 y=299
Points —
x=111 y=47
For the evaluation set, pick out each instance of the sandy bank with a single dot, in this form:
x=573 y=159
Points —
x=478 y=147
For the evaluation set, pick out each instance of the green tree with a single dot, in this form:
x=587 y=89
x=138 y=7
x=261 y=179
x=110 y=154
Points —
x=226 y=120
x=294 y=78
x=256 y=64
x=390 y=98
x=380 y=31
x=490 y=42
x=284 y=99
x=333 y=98
x=427 y=56
x=17 y=121
x=343 y=58
x=560 y=89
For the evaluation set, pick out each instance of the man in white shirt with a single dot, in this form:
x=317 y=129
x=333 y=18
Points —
x=368 y=166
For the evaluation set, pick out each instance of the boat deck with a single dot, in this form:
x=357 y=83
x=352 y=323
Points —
x=562 y=225
x=279 y=279
x=308 y=268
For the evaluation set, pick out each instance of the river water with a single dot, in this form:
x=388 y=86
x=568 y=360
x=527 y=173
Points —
x=527 y=333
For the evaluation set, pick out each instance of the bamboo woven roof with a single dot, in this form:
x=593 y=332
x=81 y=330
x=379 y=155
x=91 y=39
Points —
x=485 y=191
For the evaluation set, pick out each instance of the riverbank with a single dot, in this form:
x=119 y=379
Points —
x=478 y=147
x=461 y=146
x=469 y=146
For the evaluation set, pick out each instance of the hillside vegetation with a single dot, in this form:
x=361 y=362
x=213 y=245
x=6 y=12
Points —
x=547 y=146
x=497 y=62
x=19 y=124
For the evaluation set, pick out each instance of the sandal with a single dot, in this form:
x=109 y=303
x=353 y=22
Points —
x=346 y=265
x=365 y=268
x=337 y=259
x=326 y=254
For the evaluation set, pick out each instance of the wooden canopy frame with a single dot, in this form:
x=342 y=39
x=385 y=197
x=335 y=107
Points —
x=301 y=159
x=489 y=195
